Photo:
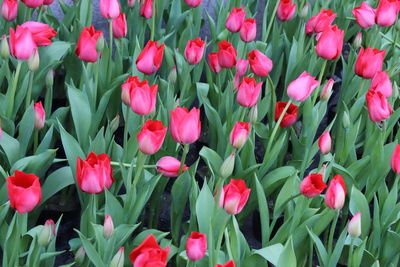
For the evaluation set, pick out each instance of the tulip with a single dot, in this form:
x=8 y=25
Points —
x=239 y=134
x=9 y=9
x=34 y=61
x=213 y=62
x=248 y=92
x=327 y=90
x=290 y=116
x=149 y=253
x=173 y=75
x=87 y=42
x=24 y=191
x=139 y=95
x=365 y=15
x=354 y=227
x=285 y=10
x=395 y=161
x=150 y=59
x=185 y=126
x=386 y=13
x=147 y=9
x=4 y=47
x=312 y=185
x=241 y=66
x=40 y=115
x=151 y=137
x=48 y=2
x=32 y=3
x=248 y=30
x=41 y=32
x=193 y=3
x=234 y=196
x=196 y=246
x=235 y=19
x=194 y=51
x=108 y=226
x=369 y=62
x=336 y=193
x=169 y=166
x=304 y=12
x=109 y=9
x=226 y=54
x=253 y=114
x=22 y=44
x=260 y=64
x=379 y=108
x=330 y=43
x=302 y=87
x=230 y=263
x=227 y=166
x=119 y=27
x=131 y=3
x=118 y=259
x=357 y=40
x=381 y=83
x=325 y=143
x=94 y=173
x=320 y=22
x=47 y=233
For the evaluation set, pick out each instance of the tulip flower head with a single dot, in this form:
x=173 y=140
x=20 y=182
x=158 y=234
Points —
x=320 y=22
x=290 y=116
x=302 y=87
x=214 y=63
x=235 y=19
x=248 y=92
x=119 y=26
x=395 y=160
x=248 y=31
x=32 y=3
x=330 y=43
x=22 y=44
x=41 y=32
x=169 y=166
x=386 y=13
x=312 y=185
x=40 y=115
x=286 y=10
x=185 y=126
x=239 y=134
x=325 y=143
x=194 y=51
x=9 y=9
x=365 y=15
x=151 y=137
x=226 y=54
x=147 y=9
x=381 y=83
x=354 y=226
x=241 y=66
x=379 y=108
x=229 y=263
x=150 y=59
x=327 y=90
x=260 y=64
x=196 y=246
x=193 y=3
x=234 y=196
x=142 y=96
x=109 y=9
x=86 y=49
x=369 y=62
x=149 y=253
x=336 y=193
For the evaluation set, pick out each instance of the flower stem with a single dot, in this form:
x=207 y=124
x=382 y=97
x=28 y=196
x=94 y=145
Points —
x=271 y=21
x=153 y=21
x=185 y=151
x=29 y=93
x=321 y=75
x=219 y=240
x=114 y=163
x=127 y=112
x=139 y=167
x=13 y=89
x=228 y=243
x=271 y=139
x=111 y=51
x=35 y=140
x=349 y=260
x=332 y=232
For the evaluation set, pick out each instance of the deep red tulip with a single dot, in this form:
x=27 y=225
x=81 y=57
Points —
x=109 y=9
x=302 y=87
x=41 y=32
x=234 y=196
x=119 y=26
x=48 y=2
x=9 y=9
x=194 y=51
x=151 y=137
x=230 y=263
x=365 y=15
x=312 y=185
x=330 y=43
x=149 y=253
x=150 y=59
x=196 y=246
x=87 y=42
x=185 y=126
x=169 y=166
x=319 y=22
x=379 y=108
x=260 y=64
x=248 y=92
x=24 y=191
x=369 y=62
x=336 y=193
x=248 y=31
x=290 y=116
x=286 y=10
x=239 y=134
x=226 y=54
x=22 y=44
x=235 y=19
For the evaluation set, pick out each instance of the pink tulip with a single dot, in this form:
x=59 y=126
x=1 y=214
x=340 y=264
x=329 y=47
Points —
x=395 y=160
x=213 y=62
x=312 y=185
x=369 y=62
x=41 y=32
x=325 y=143
x=327 y=90
x=226 y=54
x=40 y=115
x=249 y=92
x=193 y=3
x=22 y=44
x=150 y=59
x=336 y=193
x=119 y=26
x=286 y=10
x=142 y=96
x=241 y=66
x=234 y=196
x=239 y=134
x=9 y=9
x=109 y=9
x=379 y=108
x=235 y=19
x=248 y=30
x=302 y=87
x=260 y=64
x=185 y=126
x=147 y=9
x=87 y=42
x=386 y=13
x=320 y=22
x=108 y=226
x=365 y=15
x=32 y=3
x=354 y=227
x=151 y=137
x=381 y=83
x=330 y=43
x=196 y=246
x=169 y=166
x=194 y=51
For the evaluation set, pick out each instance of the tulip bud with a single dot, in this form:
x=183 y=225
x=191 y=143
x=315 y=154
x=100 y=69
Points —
x=322 y=170
x=50 y=78
x=304 y=11
x=114 y=124
x=4 y=48
x=395 y=90
x=227 y=167
x=172 y=75
x=80 y=255
x=100 y=44
x=118 y=259
x=47 y=233
x=253 y=114
x=354 y=227
x=327 y=90
x=325 y=143
x=357 y=40
x=33 y=61
x=108 y=227
x=40 y=115
x=131 y=3
x=346 y=120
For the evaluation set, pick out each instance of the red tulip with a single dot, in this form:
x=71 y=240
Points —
x=147 y=9
x=119 y=26
x=395 y=161
x=32 y=3
x=9 y=9
x=386 y=13
x=230 y=263
x=241 y=66
x=325 y=143
x=24 y=191
x=196 y=246
x=226 y=54
x=213 y=62
x=302 y=87
x=320 y=22
x=149 y=253
x=193 y=3
x=330 y=43
x=234 y=196
x=48 y=2
x=336 y=193
x=41 y=32
x=379 y=108
x=381 y=83
x=260 y=64
x=248 y=92
x=285 y=10
x=142 y=97
x=290 y=116
x=365 y=15
x=151 y=137
x=312 y=185
x=87 y=42
x=40 y=115
x=150 y=59
x=235 y=19
x=185 y=126
x=22 y=44
x=248 y=30
x=94 y=173
x=169 y=166
x=369 y=62
x=109 y=9
x=239 y=134
x=194 y=50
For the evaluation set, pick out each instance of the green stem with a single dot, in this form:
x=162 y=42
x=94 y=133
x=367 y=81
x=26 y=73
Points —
x=184 y=154
x=139 y=167
x=219 y=240
x=321 y=75
x=35 y=140
x=349 y=260
x=332 y=232
x=153 y=21
x=48 y=100
x=127 y=112
x=190 y=263
x=228 y=243
x=243 y=114
x=29 y=93
x=128 y=165
x=13 y=89
x=111 y=51
x=389 y=39
x=271 y=139
x=40 y=13
x=272 y=20
x=288 y=200
x=96 y=82
x=311 y=254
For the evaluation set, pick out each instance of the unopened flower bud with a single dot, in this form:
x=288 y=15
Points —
x=108 y=227
x=4 y=48
x=100 y=44
x=304 y=11
x=118 y=259
x=40 y=115
x=33 y=61
x=346 y=120
x=253 y=114
x=172 y=75
x=357 y=40
x=327 y=90
x=395 y=90
x=80 y=255
x=227 y=167
x=322 y=170
x=47 y=233
x=114 y=124
x=131 y=3
x=50 y=78
x=354 y=227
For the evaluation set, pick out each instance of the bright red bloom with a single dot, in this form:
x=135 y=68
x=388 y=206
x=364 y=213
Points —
x=226 y=54
x=248 y=31
x=151 y=137
x=290 y=116
x=379 y=108
x=41 y=32
x=235 y=19
x=147 y=9
x=24 y=191
x=213 y=62
x=395 y=160
x=87 y=42
x=336 y=194
x=248 y=92
x=325 y=143
x=330 y=43
x=381 y=83
x=386 y=13
x=194 y=50
x=185 y=126
x=302 y=87
x=320 y=22
x=369 y=62
x=260 y=64
x=142 y=96
x=119 y=26
x=149 y=254
x=365 y=15
x=312 y=185
x=193 y=3
x=21 y=42
x=169 y=166
x=234 y=196
x=32 y=3
x=9 y=9
x=230 y=263
x=196 y=246
x=150 y=59
x=40 y=115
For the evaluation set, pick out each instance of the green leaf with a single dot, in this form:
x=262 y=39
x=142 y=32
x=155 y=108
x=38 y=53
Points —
x=71 y=147
x=91 y=252
x=358 y=203
x=263 y=209
x=271 y=253
x=287 y=257
x=37 y=164
x=11 y=147
x=56 y=181
x=26 y=128
x=204 y=208
x=322 y=254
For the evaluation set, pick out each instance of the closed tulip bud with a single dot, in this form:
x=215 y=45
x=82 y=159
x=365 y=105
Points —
x=118 y=260
x=194 y=51
x=50 y=78
x=336 y=194
x=354 y=227
x=109 y=9
x=234 y=196
x=304 y=11
x=229 y=263
x=173 y=75
x=369 y=62
x=327 y=90
x=312 y=185
x=150 y=59
x=325 y=143
x=395 y=160
x=241 y=66
x=235 y=19
x=4 y=48
x=248 y=92
x=365 y=15
x=100 y=44
x=47 y=233
x=290 y=116
x=169 y=166
x=108 y=227
x=395 y=90
x=185 y=126
x=239 y=134
x=253 y=114
x=227 y=166
x=302 y=87
x=147 y=9
x=196 y=246
x=40 y=115
x=320 y=22
x=357 y=40
x=381 y=83
x=226 y=54
x=286 y=10
x=24 y=191
x=9 y=9
x=213 y=62
x=119 y=26
x=131 y=3
x=86 y=48
x=248 y=31
x=386 y=13
x=114 y=124
x=330 y=43
x=151 y=137
x=80 y=255
x=346 y=119
x=34 y=61
x=260 y=64
x=379 y=108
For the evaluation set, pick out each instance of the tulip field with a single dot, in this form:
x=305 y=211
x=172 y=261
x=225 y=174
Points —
x=205 y=133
